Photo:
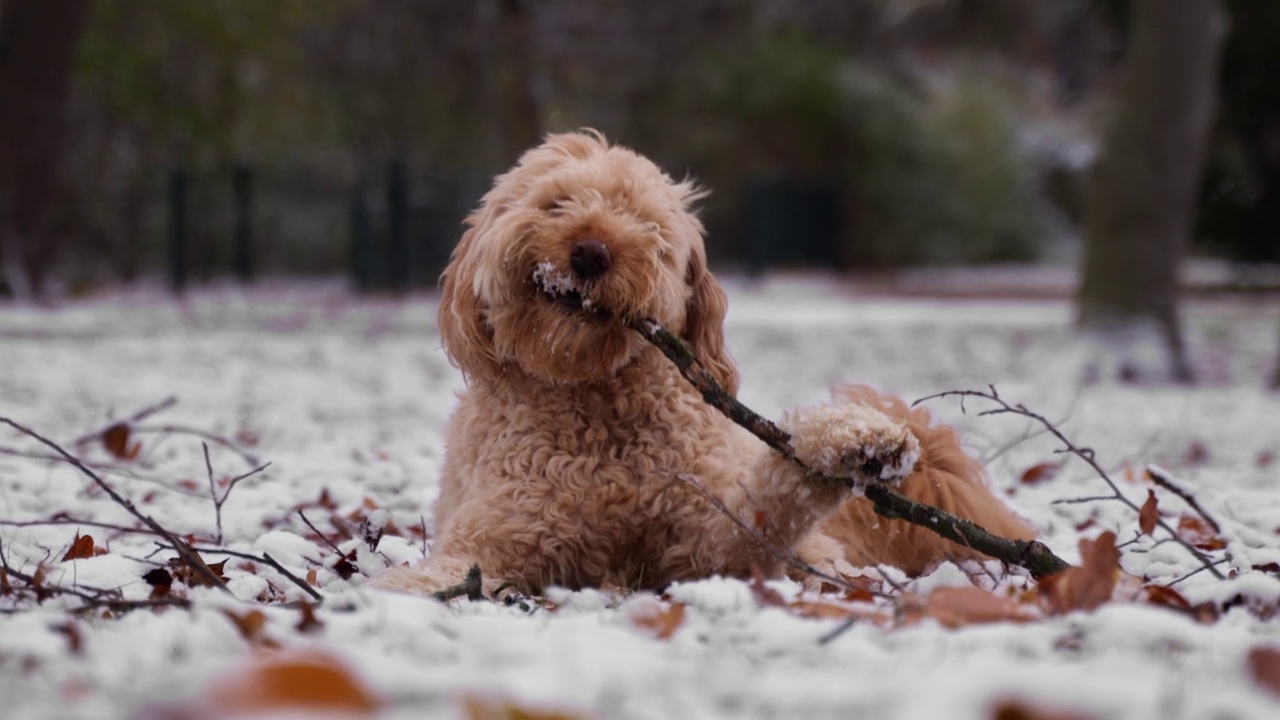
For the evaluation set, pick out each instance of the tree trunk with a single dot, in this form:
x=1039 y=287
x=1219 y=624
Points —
x=37 y=54
x=519 y=119
x=1143 y=191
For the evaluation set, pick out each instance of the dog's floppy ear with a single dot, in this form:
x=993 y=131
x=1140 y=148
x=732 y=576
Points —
x=704 y=323
x=467 y=339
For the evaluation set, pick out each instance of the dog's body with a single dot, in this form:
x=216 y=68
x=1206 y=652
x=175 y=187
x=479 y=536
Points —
x=578 y=455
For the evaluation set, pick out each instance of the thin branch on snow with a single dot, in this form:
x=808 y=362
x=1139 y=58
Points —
x=189 y=556
x=78 y=522
x=218 y=502
x=94 y=598
x=249 y=458
x=323 y=537
x=266 y=559
x=1033 y=555
x=1068 y=447
x=1164 y=480
x=133 y=419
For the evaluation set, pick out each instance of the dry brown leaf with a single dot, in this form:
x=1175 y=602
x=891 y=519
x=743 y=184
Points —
x=190 y=577
x=252 y=627
x=1205 y=612
x=1264 y=667
x=1193 y=529
x=1149 y=514
x=660 y=621
x=161 y=583
x=312 y=681
x=475 y=707
x=1037 y=474
x=1089 y=585
x=1019 y=709
x=1197 y=453
x=311 y=577
x=308 y=622
x=71 y=631
x=116 y=441
x=955 y=607
x=81 y=548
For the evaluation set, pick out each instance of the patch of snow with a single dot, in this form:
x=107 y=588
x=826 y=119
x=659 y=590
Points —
x=347 y=398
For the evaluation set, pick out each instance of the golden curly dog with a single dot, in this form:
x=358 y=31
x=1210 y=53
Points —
x=570 y=454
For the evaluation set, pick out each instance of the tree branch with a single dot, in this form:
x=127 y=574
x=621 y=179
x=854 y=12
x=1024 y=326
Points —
x=1084 y=453
x=1033 y=555
x=189 y=556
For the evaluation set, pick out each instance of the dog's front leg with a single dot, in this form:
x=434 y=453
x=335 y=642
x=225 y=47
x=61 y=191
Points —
x=782 y=500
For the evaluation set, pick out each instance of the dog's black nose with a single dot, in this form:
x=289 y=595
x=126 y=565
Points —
x=590 y=258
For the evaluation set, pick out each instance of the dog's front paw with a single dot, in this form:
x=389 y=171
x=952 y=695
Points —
x=853 y=441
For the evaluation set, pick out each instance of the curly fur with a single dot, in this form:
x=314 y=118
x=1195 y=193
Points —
x=571 y=454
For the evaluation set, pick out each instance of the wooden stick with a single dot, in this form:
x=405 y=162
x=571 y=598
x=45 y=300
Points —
x=1033 y=555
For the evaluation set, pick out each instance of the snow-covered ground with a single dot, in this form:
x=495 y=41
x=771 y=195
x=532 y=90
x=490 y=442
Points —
x=346 y=398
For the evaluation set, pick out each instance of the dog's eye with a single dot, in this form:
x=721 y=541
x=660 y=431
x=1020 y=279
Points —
x=552 y=204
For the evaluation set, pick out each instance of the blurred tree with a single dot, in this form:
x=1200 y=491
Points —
x=37 y=52
x=1141 y=206
x=1241 y=201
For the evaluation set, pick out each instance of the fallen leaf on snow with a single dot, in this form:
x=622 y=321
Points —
x=1170 y=598
x=71 y=631
x=116 y=441
x=1264 y=667
x=659 y=620
x=955 y=607
x=1089 y=585
x=1199 y=533
x=190 y=577
x=1037 y=474
x=308 y=622
x=1149 y=515
x=284 y=685
x=252 y=627
x=475 y=707
x=82 y=547
x=1019 y=709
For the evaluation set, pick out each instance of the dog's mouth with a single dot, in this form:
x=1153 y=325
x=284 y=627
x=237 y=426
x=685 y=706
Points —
x=564 y=291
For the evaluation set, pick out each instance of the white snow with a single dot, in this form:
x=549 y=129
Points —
x=346 y=398
x=553 y=281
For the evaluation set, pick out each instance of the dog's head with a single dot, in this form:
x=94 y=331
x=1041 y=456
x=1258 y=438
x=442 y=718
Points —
x=579 y=237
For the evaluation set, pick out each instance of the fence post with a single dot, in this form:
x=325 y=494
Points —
x=242 y=181
x=398 y=260
x=178 y=230
x=361 y=244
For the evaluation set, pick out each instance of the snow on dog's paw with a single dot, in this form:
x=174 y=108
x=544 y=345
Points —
x=853 y=441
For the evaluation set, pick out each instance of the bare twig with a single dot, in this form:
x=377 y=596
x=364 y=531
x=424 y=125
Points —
x=470 y=586
x=1162 y=478
x=323 y=537
x=218 y=502
x=1033 y=555
x=77 y=522
x=137 y=417
x=189 y=556
x=269 y=561
x=94 y=598
x=248 y=457
x=1068 y=447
